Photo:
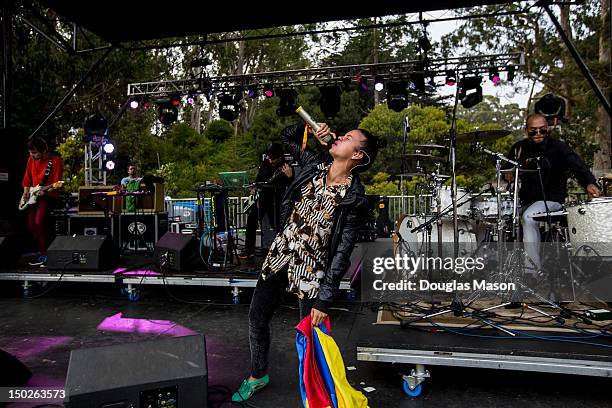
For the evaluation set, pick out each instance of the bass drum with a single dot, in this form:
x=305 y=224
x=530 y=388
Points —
x=590 y=225
x=446 y=201
x=415 y=242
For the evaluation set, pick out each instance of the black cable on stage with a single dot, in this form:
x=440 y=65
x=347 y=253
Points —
x=48 y=290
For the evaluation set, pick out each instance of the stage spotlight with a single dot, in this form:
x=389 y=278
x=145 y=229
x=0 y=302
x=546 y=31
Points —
x=198 y=66
x=268 y=91
x=378 y=83
x=346 y=84
x=362 y=83
x=511 y=72
x=451 y=77
x=552 y=107
x=329 y=102
x=470 y=91
x=191 y=99
x=175 y=100
x=288 y=102
x=494 y=76
x=228 y=107
x=95 y=125
x=252 y=91
x=168 y=113
x=397 y=95
x=110 y=165
x=109 y=148
x=134 y=103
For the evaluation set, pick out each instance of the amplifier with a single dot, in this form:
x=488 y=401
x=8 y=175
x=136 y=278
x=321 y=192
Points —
x=97 y=205
x=139 y=229
x=93 y=225
x=82 y=252
x=164 y=373
x=150 y=203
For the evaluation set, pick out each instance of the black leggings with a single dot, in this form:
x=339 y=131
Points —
x=266 y=298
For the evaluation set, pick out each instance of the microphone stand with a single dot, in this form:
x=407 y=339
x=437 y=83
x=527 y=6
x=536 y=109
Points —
x=402 y=165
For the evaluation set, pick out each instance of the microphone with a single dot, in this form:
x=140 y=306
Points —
x=533 y=159
x=314 y=125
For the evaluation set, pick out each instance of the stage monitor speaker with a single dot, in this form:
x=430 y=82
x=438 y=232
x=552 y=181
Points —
x=9 y=252
x=175 y=251
x=82 y=252
x=171 y=372
x=13 y=373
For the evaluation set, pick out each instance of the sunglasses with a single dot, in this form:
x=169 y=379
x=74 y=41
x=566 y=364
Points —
x=542 y=131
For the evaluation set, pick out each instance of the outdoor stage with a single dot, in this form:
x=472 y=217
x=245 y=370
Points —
x=42 y=332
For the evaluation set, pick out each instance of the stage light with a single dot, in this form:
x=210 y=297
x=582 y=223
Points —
x=378 y=83
x=511 y=71
x=198 y=65
x=470 y=91
x=346 y=84
x=362 y=83
x=191 y=100
x=451 y=77
x=252 y=91
x=134 y=104
x=494 y=76
x=109 y=148
x=329 y=102
x=228 y=106
x=268 y=91
x=95 y=125
x=552 y=107
x=397 y=95
x=175 y=100
x=288 y=102
x=110 y=165
x=168 y=113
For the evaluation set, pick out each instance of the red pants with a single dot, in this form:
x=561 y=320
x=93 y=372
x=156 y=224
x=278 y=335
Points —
x=38 y=223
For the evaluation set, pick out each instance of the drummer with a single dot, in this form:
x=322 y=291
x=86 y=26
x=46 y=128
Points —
x=546 y=189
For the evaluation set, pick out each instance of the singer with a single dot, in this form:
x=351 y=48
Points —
x=321 y=211
x=546 y=162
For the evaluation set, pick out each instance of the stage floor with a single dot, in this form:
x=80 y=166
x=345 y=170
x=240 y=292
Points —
x=42 y=331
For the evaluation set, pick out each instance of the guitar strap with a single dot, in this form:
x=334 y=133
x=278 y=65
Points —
x=47 y=172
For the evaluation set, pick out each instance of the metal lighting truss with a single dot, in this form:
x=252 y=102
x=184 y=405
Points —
x=404 y=70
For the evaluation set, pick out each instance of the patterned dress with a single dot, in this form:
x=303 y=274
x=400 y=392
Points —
x=302 y=245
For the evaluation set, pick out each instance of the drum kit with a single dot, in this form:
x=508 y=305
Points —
x=492 y=215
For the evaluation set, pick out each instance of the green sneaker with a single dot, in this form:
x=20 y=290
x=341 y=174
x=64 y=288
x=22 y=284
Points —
x=249 y=388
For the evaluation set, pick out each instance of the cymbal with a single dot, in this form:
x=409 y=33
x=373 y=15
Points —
x=607 y=176
x=521 y=171
x=412 y=175
x=430 y=146
x=482 y=136
x=420 y=156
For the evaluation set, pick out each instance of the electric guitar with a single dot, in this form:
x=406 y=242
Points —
x=31 y=200
x=252 y=199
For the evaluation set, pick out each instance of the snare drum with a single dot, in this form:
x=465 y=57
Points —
x=486 y=207
x=447 y=201
x=416 y=240
x=590 y=223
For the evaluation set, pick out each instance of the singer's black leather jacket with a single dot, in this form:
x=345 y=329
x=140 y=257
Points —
x=555 y=159
x=346 y=216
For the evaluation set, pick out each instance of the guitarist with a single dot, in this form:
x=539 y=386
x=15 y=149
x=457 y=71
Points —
x=43 y=169
x=277 y=175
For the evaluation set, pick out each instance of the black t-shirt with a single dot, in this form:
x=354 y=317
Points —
x=556 y=160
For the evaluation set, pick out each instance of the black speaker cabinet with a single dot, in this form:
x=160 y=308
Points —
x=82 y=252
x=13 y=373
x=174 y=251
x=94 y=225
x=142 y=230
x=171 y=372
x=9 y=252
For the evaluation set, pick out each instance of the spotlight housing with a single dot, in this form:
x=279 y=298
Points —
x=397 y=95
x=362 y=83
x=288 y=102
x=552 y=107
x=110 y=165
x=379 y=85
x=109 y=148
x=268 y=91
x=168 y=113
x=470 y=91
x=511 y=72
x=494 y=76
x=228 y=106
x=451 y=77
x=329 y=102
x=252 y=91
